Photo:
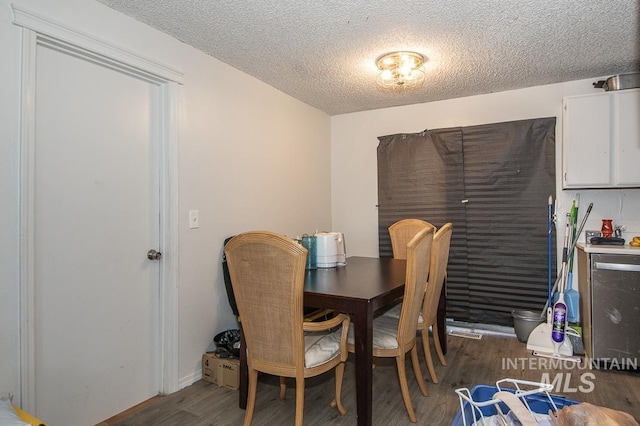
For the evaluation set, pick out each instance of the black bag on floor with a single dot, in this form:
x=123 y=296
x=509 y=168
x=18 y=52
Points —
x=228 y=343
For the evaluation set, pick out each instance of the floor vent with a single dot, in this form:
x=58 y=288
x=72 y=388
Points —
x=465 y=334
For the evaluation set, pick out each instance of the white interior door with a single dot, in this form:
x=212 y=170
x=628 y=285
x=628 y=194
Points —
x=96 y=215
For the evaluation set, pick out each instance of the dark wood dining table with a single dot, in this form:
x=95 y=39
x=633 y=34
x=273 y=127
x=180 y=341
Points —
x=359 y=288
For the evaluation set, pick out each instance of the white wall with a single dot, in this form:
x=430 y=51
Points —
x=354 y=165
x=250 y=157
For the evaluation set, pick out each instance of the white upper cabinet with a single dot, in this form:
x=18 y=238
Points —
x=627 y=138
x=601 y=140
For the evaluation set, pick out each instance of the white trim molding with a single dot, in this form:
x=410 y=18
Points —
x=169 y=238
x=92 y=45
x=27 y=222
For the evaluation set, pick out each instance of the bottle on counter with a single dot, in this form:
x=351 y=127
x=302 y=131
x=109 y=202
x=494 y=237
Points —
x=607 y=228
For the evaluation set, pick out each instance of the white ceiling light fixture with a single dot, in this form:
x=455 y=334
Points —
x=400 y=71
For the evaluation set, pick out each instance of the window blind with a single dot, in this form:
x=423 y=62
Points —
x=492 y=182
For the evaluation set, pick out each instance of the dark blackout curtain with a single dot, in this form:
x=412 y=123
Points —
x=492 y=182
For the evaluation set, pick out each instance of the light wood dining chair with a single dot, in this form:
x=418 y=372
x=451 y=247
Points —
x=429 y=315
x=267 y=273
x=402 y=231
x=393 y=337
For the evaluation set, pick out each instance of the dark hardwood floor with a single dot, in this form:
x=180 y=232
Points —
x=470 y=362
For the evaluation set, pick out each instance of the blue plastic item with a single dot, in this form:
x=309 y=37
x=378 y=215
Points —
x=310 y=243
x=539 y=404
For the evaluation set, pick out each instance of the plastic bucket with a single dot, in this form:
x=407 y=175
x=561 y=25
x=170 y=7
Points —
x=524 y=322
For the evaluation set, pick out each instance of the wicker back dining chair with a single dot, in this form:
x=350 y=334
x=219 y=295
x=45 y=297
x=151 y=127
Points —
x=429 y=315
x=395 y=336
x=267 y=273
x=402 y=231
x=437 y=275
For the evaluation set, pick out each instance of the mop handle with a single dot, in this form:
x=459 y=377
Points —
x=574 y=222
x=549 y=248
x=565 y=256
x=584 y=221
x=567 y=232
x=573 y=243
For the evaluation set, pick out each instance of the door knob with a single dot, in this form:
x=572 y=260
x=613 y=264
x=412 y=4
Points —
x=154 y=255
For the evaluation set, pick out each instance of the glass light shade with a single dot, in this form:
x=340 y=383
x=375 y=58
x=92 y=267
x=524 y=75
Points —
x=400 y=71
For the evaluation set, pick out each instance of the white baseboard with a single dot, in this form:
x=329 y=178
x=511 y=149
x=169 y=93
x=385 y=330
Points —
x=190 y=379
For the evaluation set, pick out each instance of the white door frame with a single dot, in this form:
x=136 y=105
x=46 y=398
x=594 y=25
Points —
x=40 y=31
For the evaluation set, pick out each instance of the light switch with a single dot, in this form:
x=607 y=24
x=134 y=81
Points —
x=194 y=219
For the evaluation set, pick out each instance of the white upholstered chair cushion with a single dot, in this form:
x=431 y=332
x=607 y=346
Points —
x=395 y=313
x=320 y=347
x=385 y=331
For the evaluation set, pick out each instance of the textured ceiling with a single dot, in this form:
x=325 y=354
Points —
x=322 y=52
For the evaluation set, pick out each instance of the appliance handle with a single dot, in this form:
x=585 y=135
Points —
x=625 y=267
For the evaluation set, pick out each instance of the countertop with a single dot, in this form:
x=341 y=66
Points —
x=625 y=249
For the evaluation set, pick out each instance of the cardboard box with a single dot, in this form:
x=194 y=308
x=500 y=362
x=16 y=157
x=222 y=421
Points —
x=224 y=372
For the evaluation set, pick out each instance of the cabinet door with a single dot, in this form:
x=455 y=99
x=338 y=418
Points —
x=586 y=153
x=627 y=137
